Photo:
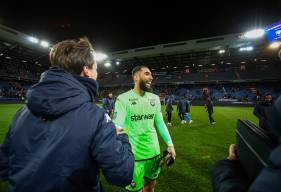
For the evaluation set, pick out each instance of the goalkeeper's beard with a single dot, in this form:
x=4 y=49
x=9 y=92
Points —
x=144 y=87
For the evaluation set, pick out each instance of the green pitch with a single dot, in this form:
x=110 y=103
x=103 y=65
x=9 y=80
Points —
x=198 y=146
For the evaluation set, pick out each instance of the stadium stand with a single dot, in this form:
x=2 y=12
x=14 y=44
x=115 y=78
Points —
x=179 y=69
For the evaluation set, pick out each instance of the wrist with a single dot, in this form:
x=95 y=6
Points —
x=232 y=158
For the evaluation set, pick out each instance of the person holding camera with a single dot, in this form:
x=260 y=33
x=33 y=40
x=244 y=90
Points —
x=260 y=108
x=229 y=176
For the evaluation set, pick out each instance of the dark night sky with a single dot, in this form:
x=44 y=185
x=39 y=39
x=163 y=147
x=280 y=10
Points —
x=117 y=26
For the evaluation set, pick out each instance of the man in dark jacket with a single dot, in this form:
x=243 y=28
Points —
x=228 y=175
x=260 y=109
x=108 y=103
x=169 y=109
x=183 y=108
x=61 y=139
x=210 y=110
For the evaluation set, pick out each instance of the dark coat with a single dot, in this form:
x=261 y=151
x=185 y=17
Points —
x=209 y=106
x=183 y=106
x=260 y=113
x=61 y=140
x=169 y=105
x=108 y=104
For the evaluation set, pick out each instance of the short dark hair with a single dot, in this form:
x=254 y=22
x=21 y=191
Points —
x=137 y=69
x=72 y=55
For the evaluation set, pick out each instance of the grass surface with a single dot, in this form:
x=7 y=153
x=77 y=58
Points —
x=198 y=146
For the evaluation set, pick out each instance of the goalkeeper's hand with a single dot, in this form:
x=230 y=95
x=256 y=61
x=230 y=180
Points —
x=172 y=151
x=119 y=130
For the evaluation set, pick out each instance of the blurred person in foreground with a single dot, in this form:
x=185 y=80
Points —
x=60 y=140
x=229 y=176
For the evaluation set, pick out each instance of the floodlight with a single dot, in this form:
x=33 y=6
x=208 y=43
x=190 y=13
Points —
x=222 y=51
x=254 y=34
x=44 y=44
x=100 y=56
x=250 y=48
x=107 y=64
x=33 y=39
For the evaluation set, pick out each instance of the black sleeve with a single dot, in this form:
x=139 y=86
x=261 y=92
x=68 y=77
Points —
x=257 y=112
x=113 y=153
x=229 y=176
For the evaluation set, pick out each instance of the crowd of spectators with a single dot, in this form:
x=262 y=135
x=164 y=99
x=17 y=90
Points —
x=13 y=90
x=22 y=70
x=239 y=92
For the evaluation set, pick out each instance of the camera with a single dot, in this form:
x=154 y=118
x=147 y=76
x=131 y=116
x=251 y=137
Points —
x=254 y=145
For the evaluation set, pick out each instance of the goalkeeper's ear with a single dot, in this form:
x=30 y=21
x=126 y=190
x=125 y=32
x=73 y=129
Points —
x=135 y=77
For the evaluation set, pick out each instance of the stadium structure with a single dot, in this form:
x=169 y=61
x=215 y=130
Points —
x=231 y=67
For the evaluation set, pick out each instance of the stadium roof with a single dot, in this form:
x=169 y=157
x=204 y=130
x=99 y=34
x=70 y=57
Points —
x=16 y=46
x=206 y=52
x=197 y=53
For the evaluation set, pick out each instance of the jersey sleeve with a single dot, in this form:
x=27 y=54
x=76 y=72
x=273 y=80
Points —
x=119 y=113
x=161 y=126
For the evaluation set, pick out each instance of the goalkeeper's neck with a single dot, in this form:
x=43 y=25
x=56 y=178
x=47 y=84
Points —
x=138 y=90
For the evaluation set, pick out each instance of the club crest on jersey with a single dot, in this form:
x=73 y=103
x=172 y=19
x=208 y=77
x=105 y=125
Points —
x=152 y=102
x=133 y=101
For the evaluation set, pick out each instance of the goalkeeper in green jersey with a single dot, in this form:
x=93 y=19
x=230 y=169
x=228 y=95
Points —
x=138 y=112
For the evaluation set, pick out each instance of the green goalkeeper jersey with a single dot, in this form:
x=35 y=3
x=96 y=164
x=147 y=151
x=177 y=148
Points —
x=138 y=116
